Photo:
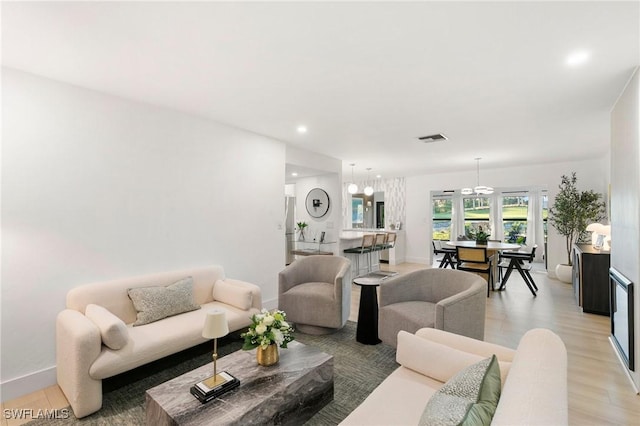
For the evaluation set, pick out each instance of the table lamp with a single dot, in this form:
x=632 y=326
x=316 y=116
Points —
x=215 y=325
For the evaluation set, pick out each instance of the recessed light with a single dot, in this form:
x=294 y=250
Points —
x=302 y=129
x=578 y=57
x=294 y=174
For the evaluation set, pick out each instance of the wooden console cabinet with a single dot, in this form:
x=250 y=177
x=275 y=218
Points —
x=591 y=278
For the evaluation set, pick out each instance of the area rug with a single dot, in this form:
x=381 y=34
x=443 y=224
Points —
x=358 y=369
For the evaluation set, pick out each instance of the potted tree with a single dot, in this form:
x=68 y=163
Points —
x=570 y=214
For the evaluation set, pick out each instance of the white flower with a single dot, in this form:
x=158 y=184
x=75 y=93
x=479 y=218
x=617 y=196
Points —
x=268 y=320
x=261 y=328
x=278 y=336
x=284 y=325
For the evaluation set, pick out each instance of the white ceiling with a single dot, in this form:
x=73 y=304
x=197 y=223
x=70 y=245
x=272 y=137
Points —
x=366 y=78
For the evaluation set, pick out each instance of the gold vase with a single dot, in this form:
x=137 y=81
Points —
x=268 y=356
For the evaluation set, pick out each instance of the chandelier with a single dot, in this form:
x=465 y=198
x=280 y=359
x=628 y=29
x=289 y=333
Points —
x=478 y=189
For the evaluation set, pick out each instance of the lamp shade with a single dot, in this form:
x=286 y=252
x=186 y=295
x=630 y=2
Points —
x=594 y=227
x=215 y=324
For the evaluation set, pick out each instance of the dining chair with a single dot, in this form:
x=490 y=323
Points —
x=475 y=259
x=449 y=258
x=511 y=260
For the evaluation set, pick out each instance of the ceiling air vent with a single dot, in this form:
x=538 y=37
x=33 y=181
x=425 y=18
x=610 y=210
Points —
x=433 y=138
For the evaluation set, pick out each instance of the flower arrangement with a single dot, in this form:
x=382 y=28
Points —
x=301 y=227
x=268 y=328
x=481 y=236
x=477 y=233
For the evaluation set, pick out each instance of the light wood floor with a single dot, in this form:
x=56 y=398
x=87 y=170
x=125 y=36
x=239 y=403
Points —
x=599 y=391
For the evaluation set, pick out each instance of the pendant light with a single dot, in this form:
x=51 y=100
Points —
x=368 y=190
x=352 y=188
x=481 y=189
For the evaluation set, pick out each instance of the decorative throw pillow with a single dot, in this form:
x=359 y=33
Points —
x=229 y=292
x=468 y=398
x=113 y=330
x=155 y=303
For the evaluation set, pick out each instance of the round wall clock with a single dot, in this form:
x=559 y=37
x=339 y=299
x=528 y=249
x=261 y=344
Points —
x=317 y=202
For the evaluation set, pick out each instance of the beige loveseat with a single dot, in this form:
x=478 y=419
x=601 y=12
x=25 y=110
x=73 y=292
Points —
x=534 y=378
x=96 y=339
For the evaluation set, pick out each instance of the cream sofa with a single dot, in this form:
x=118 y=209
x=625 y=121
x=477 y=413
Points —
x=534 y=378
x=95 y=338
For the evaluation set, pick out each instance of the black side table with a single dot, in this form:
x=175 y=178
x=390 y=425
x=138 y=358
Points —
x=367 y=330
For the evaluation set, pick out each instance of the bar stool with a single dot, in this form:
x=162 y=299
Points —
x=379 y=244
x=365 y=249
x=391 y=240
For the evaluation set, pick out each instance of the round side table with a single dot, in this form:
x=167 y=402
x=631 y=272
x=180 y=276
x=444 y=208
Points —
x=367 y=329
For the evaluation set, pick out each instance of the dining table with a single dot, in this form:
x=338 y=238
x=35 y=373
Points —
x=491 y=246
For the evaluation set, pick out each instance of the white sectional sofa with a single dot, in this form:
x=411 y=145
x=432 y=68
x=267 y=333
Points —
x=534 y=378
x=96 y=339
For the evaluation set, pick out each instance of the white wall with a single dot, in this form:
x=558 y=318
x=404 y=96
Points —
x=592 y=174
x=95 y=187
x=329 y=223
x=625 y=196
x=330 y=182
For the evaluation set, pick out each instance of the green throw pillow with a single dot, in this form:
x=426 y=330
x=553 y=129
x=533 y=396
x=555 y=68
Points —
x=468 y=398
x=155 y=303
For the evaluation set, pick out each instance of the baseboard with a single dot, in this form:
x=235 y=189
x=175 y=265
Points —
x=29 y=383
x=624 y=367
x=420 y=260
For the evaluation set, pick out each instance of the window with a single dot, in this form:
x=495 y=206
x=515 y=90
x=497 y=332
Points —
x=476 y=215
x=442 y=218
x=514 y=217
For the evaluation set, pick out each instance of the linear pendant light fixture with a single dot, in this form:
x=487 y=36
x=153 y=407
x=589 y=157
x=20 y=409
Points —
x=479 y=189
x=352 y=188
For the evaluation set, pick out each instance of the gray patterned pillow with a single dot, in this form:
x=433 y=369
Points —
x=468 y=398
x=155 y=303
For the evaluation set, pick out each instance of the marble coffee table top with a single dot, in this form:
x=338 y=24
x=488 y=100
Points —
x=289 y=392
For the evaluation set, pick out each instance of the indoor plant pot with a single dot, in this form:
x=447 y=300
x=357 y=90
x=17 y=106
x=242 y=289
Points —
x=564 y=272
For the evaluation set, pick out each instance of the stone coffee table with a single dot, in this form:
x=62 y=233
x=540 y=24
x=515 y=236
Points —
x=289 y=392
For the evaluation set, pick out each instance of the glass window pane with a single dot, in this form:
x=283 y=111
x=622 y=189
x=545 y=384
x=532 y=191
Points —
x=441 y=218
x=514 y=218
x=476 y=215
